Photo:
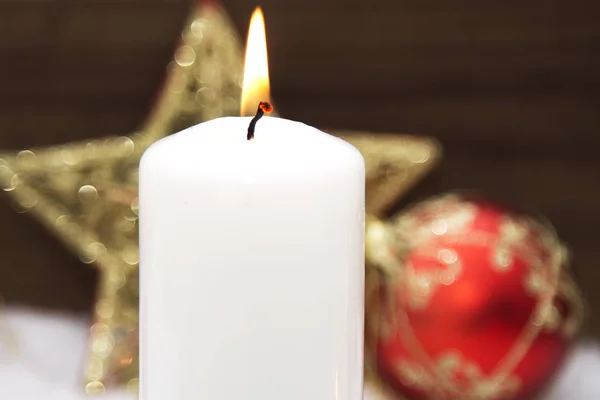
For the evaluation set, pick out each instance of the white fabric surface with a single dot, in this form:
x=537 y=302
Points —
x=51 y=350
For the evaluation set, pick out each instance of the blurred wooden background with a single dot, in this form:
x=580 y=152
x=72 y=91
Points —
x=510 y=88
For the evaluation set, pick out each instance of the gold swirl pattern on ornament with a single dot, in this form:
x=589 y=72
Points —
x=550 y=276
x=453 y=366
x=421 y=284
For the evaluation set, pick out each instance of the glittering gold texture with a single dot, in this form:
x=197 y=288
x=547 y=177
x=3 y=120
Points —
x=86 y=193
x=394 y=163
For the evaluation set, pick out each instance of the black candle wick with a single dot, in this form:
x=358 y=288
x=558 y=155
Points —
x=263 y=107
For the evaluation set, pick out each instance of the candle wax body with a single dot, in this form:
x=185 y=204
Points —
x=252 y=264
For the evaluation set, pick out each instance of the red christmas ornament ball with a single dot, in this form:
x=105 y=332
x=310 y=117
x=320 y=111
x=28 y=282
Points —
x=475 y=303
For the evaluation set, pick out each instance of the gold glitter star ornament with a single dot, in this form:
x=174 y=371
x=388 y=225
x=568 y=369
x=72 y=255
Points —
x=86 y=193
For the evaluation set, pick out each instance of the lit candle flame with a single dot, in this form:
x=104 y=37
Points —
x=256 y=67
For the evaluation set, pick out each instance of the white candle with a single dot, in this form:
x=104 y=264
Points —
x=251 y=264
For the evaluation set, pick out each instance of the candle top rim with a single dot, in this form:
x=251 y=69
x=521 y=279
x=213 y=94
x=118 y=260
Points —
x=282 y=150
x=275 y=133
